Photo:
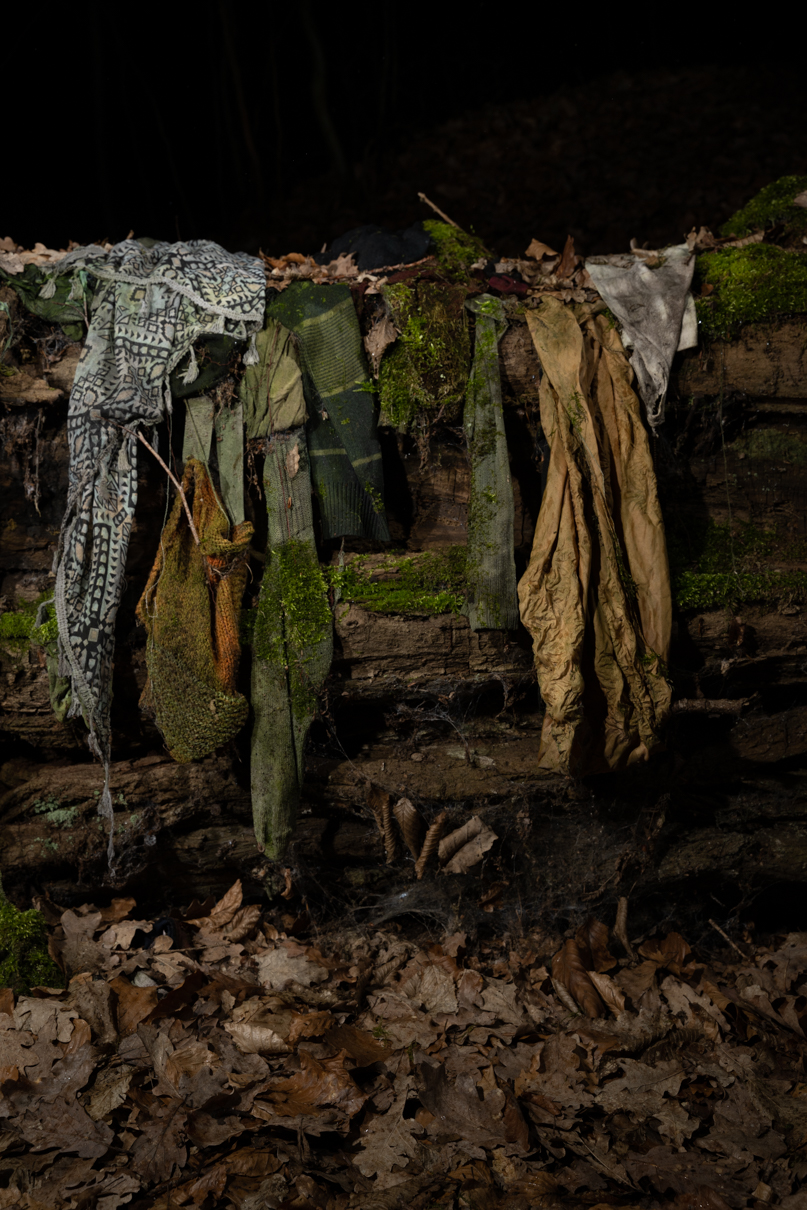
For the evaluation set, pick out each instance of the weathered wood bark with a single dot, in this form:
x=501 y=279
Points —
x=423 y=707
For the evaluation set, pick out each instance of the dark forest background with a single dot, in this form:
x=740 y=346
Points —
x=280 y=127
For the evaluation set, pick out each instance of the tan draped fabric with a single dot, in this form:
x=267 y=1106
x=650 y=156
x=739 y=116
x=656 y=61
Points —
x=596 y=594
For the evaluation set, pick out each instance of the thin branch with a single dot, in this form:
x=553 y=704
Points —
x=437 y=210
x=169 y=473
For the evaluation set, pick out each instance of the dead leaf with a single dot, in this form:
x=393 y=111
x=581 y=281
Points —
x=381 y=335
x=539 y=251
x=608 y=990
x=279 y=967
x=568 y=969
x=309 y=1025
x=411 y=825
x=455 y=840
x=109 y=1090
x=671 y=951
x=592 y=940
x=160 y=1148
x=134 y=1004
x=471 y=853
x=387 y=1142
x=222 y=913
x=316 y=1085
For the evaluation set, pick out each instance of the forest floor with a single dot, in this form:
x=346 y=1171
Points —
x=234 y=1056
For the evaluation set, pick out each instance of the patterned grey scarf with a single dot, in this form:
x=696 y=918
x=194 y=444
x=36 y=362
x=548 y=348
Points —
x=149 y=307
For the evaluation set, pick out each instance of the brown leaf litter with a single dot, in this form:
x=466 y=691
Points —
x=234 y=1066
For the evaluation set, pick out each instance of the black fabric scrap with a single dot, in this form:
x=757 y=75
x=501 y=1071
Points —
x=375 y=248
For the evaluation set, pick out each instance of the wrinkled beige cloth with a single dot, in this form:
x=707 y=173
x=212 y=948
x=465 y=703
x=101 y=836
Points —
x=596 y=594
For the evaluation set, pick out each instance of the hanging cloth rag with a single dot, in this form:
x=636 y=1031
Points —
x=649 y=294
x=492 y=601
x=202 y=423
x=191 y=608
x=292 y=643
x=271 y=391
x=342 y=442
x=149 y=306
x=596 y=594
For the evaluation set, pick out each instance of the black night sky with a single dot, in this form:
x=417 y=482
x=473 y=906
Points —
x=283 y=126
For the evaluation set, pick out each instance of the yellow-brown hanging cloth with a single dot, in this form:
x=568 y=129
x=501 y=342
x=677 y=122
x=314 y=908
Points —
x=596 y=594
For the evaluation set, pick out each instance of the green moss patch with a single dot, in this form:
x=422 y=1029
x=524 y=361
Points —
x=749 y=284
x=426 y=370
x=456 y=250
x=771 y=206
x=715 y=566
x=770 y=443
x=24 y=958
x=425 y=584
x=18 y=627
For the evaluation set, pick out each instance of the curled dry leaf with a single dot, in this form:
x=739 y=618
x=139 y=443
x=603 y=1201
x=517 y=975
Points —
x=459 y=837
x=433 y=835
x=472 y=852
x=410 y=823
x=380 y=803
x=608 y=990
x=381 y=335
x=568 y=968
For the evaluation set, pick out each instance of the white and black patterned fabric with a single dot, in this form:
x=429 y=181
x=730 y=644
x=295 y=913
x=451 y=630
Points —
x=148 y=308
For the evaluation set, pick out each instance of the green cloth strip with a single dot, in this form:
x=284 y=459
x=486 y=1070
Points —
x=342 y=419
x=292 y=644
x=492 y=602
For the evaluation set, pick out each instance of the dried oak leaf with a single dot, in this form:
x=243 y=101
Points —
x=286 y=964
x=317 y=1085
x=387 y=1142
x=109 y=1090
x=160 y=1148
x=670 y=951
x=568 y=968
x=458 y=1109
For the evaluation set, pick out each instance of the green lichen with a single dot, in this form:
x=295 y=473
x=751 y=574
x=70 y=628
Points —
x=771 y=206
x=750 y=284
x=54 y=812
x=24 y=958
x=426 y=370
x=426 y=584
x=456 y=250
x=716 y=566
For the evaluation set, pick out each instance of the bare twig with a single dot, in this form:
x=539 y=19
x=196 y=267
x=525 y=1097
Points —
x=437 y=210
x=168 y=471
x=726 y=937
